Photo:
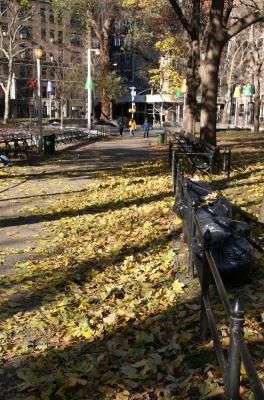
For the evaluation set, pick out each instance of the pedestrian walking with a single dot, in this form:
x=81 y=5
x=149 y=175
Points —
x=4 y=158
x=121 y=124
x=132 y=127
x=146 y=127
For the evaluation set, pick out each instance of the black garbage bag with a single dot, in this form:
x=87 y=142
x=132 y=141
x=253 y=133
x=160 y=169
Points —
x=196 y=191
x=234 y=259
x=214 y=232
x=221 y=207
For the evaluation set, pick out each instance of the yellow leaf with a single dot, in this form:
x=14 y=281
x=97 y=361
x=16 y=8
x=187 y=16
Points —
x=243 y=369
x=13 y=233
x=88 y=333
x=177 y=286
x=178 y=361
x=110 y=319
x=225 y=341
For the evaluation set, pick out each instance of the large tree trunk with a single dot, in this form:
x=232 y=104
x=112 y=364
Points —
x=105 y=109
x=193 y=83
x=209 y=77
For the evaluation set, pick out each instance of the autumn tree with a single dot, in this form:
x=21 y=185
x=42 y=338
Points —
x=233 y=68
x=256 y=58
x=97 y=16
x=13 y=18
x=225 y=20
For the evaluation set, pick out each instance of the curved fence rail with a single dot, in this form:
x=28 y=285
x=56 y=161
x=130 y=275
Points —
x=237 y=349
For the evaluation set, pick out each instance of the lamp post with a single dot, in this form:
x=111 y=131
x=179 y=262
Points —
x=89 y=84
x=50 y=90
x=38 y=53
x=133 y=94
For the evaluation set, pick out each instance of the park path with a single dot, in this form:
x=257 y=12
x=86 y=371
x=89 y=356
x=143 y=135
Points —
x=41 y=182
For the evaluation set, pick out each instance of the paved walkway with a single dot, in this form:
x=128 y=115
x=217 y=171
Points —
x=38 y=183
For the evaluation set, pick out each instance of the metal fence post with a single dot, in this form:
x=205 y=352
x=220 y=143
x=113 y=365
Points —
x=174 y=171
x=229 y=163
x=204 y=294
x=192 y=233
x=170 y=152
x=236 y=326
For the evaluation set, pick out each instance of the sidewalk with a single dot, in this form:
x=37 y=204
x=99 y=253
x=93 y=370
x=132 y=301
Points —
x=86 y=260
x=26 y=189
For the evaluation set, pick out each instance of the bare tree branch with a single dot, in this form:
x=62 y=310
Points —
x=244 y=23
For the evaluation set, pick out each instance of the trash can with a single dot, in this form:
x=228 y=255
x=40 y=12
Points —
x=49 y=144
x=161 y=138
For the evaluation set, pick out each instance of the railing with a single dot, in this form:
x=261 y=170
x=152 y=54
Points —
x=220 y=161
x=104 y=130
x=237 y=349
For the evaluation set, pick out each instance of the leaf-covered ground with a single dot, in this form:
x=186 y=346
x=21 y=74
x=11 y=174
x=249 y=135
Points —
x=102 y=311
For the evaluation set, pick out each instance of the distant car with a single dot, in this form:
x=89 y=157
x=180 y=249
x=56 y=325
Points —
x=54 y=122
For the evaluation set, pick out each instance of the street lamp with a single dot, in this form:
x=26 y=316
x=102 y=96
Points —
x=133 y=104
x=89 y=84
x=38 y=54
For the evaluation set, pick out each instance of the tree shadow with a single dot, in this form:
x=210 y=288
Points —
x=47 y=284
x=136 y=356
x=93 y=209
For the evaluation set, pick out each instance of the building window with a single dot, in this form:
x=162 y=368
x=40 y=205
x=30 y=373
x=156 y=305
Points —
x=95 y=44
x=44 y=72
x=3 y=6
x=128 y=58
x=4 y=28
x=126 y=24
x=117 y=41
x=117 y=25
x=60 y=37
x=60 y=57
x=43 y=14
x=26 y=32
x=76 y=40
x=51 y=17
x=25 y=71
x=43 y=34
x=116 y=59
x=52 y=36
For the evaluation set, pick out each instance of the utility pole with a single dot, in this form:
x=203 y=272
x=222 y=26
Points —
x=133 y=104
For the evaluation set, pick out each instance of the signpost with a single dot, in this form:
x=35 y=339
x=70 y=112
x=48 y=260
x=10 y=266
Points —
x=236 y=95
x=248 y=91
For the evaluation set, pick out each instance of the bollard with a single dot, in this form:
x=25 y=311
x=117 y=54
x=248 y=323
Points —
x=236 y=326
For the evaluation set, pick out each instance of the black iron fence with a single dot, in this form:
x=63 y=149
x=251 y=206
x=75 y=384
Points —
x=206 y=158
x=208 y=272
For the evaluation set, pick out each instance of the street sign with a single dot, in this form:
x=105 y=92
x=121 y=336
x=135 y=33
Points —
x=237 y=92
x=184 y=86
x=178 y=93
x=248 y=90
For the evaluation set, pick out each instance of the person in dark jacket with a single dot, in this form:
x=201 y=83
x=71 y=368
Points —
x=121 y=124
x=146 y=127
